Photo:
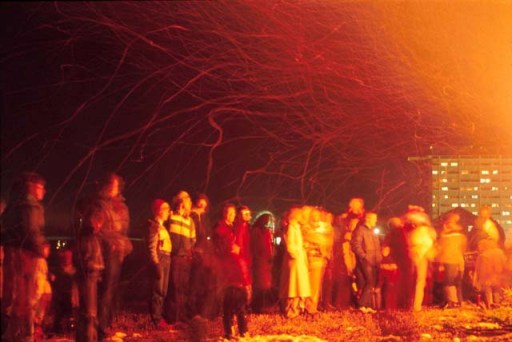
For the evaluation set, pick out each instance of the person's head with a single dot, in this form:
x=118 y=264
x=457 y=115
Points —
x=182 y=203
x=395 y=223
x=202 y=203
x=229 y=213
x=451 y=223
x=485 y=211
x=356 y=205
x=160 y=209
x=264 y=221
x=46 y=250
x=35 y=185
x=416 y=216
x=111 y=185
x=370 y=219
x=65 y=257
x=244 y=213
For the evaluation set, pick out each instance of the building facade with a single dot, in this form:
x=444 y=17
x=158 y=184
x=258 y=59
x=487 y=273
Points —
x=472 y=181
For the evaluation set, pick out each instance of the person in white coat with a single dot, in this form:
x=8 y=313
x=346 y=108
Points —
x=295 y=288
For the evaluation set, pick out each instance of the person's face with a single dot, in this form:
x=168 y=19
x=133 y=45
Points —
x=188 y=204
x=66 y=258
x=114 y=188
x=37 y=190
x=46 y=251
x=230 y=215
x=485 y=212
x=371 y=220
x=356 y=205
x=246 y=215
x=202 y=205
x=96 y=223
x=165 y=210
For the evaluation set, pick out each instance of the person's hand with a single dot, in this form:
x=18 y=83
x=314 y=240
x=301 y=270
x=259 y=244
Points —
x=235 y=249
x=157 y=271
x=248 y=291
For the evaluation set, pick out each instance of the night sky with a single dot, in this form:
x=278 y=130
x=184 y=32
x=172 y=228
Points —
x=265 y=103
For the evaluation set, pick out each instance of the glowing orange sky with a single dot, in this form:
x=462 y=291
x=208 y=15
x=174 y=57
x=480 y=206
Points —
x=459 y=51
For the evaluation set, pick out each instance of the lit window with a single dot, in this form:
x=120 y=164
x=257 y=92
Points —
x=494 y=188
x=505 y=213
x=474 y=196
x=435 y=172
x=444 y=164
x=433 y=205
x=495 y=205
x=494 y=172
x=445 y=188
x=444 y=180
x=455 y=205
x=475 y=188
x=454 y=164
x=463 y=205
x=473 y=205
x=445 y=196
x=485 y=172
x=485 y=180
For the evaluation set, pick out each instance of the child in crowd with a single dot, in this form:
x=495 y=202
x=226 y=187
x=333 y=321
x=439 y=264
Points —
x=388 y=281
x=65 y=296
x=91 y=266
x=489 y=272
x=42 y=296
x=237 y=290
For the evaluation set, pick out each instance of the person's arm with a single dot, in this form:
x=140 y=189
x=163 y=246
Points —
x=152 y=240
x=356 y=243
x=32 y=220
x=290 y=238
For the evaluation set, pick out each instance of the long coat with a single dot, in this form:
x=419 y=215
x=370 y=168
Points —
x=294 y=273
x=261 y=248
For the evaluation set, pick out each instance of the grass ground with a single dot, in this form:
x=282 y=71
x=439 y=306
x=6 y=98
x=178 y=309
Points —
x=468 y=323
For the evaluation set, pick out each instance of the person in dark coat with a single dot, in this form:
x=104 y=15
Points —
x=23 y=240
x=261 y=248
x=90 y=269
x=366 y=246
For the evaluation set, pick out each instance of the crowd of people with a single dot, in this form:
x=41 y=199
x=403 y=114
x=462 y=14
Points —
x=234 y=266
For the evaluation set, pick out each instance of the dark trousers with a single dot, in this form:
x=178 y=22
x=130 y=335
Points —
x=109 y=288
x=179 y=286
x=235 y=302
x=203 y=288
x=369 y=282
x=8 y=284
x=87 y=328
x=159 y=287
x=328 y=285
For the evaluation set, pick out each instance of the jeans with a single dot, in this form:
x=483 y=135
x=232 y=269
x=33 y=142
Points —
x=109 y=288
x=369 y=275
x=87 y=328
x=180 y=285
x=159 y=287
